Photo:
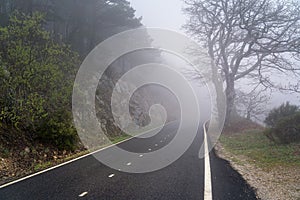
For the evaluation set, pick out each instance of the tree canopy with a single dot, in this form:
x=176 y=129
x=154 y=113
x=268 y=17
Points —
x=42 y=45
x=82 y=24
x=248 y=39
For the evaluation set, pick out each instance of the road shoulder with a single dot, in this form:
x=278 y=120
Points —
x=275 y=183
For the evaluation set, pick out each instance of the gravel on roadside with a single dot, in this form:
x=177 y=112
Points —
x=276 y=184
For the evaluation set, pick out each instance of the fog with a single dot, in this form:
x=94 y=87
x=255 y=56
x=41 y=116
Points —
x=168 y=14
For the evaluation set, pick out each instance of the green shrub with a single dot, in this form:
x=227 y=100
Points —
x=36 y=81
x=59 y=131
x=269 y=134
x=287 y=130
x=279 y=113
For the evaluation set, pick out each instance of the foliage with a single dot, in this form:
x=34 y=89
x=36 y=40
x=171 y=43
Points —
x=286 y=130
x=82 y=24
x=36 y=80
x=279 y=113
x=37 y=68
x=59 y=130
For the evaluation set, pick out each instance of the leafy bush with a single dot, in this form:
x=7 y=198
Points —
x=279 y=113
x=286 y=131
x=36 y=80
x=58 y=130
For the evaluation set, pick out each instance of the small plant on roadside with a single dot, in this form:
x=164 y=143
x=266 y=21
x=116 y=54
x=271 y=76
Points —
x=4 y=152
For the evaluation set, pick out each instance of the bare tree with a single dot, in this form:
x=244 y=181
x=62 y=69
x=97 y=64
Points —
x=252 y=105
x=248 y=39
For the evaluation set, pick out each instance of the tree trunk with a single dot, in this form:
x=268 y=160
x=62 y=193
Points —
x=230 y=96
x=218 y=84
x=248 y=115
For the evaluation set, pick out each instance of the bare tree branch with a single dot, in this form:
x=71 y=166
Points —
x=248 y=38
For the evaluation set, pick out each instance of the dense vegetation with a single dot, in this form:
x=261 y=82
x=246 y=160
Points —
x=82 y=24
x=284 y=124
x=37 y=76
x=42 y=44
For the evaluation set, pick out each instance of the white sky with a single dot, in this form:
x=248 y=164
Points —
x=160 y=13
x=168 y=14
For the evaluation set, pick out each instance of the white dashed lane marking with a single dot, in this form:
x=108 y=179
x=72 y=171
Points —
x=141 y=155
x=128 y=164
x=83 y=194
x=111 y=175
x=74 y=160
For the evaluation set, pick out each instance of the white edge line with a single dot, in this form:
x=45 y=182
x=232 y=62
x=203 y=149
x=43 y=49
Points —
x=207 y=169
x=75 y=159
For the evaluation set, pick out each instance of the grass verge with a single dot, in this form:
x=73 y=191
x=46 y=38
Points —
x=272 y=169
x=259 y=150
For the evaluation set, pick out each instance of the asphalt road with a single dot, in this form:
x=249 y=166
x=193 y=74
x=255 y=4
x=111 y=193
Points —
x=183 y=179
